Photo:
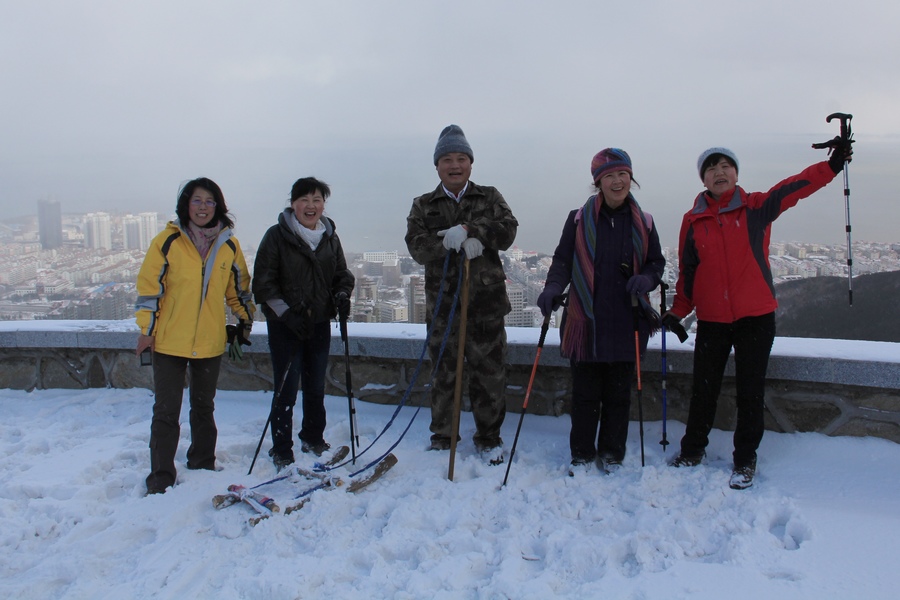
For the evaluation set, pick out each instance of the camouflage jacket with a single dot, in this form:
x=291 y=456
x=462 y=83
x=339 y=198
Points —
x=486 y=215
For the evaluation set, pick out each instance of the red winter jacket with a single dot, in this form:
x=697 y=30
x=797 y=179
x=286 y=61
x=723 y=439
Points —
x=723 y=249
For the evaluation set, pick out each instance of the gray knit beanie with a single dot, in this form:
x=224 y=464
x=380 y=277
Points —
x=710 y=152
x=452 y=139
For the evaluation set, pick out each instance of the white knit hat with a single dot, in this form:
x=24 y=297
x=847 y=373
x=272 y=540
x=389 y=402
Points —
x=718 y=150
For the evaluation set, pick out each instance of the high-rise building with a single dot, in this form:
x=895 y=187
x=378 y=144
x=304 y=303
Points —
x=131 y=233
x=415 y=298
x=138 y=231
x=50 y=224
x=366 y=289
x=149 y=228
x=98 y=231
x=390 y=273
x=518 y=317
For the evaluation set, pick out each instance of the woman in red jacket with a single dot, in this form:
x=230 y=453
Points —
x=724 y=274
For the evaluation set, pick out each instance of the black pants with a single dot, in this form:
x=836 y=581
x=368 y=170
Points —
x=601 y=393
x=168 y=380
x=751 y=338
x=307 y=361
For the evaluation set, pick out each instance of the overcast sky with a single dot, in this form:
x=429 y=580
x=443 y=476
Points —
x=113 y=105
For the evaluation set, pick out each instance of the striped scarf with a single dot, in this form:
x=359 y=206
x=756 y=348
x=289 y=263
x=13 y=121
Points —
x=577 y=340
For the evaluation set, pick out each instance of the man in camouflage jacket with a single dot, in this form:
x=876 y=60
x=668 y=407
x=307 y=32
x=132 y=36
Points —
x=461 y=217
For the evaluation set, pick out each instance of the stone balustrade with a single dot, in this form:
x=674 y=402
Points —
x=835 y=387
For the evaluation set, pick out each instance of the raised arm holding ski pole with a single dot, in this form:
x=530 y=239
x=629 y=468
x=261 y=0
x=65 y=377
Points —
x=608 y=253
x=459 y=216
x=841 y=150
x=724 y=275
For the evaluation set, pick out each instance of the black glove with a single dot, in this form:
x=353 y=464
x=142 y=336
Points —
x=673 y=324
x=841 y=152
x=238 y=335
x=550 y=299
x=638 y=285
x=342 y=303
x=298 y=320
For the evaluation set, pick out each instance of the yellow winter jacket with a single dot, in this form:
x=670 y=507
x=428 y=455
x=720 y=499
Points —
x=181 y=301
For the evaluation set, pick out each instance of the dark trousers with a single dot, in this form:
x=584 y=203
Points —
x=307 y=361
x=168 y=380
x=751 y=338
x=485 y=362
x=601 y=394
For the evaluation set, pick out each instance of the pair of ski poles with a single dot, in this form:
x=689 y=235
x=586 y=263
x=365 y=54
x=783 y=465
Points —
x=636 y=315
x=354 y=427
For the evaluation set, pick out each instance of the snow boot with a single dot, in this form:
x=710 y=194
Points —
x=608 y=463
x=686 y=460
x=318 y=448
x=742 y=477
x=492 y=456
x=279 y=461
x=580 y=467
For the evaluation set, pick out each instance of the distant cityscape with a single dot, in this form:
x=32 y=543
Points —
x=84 y=267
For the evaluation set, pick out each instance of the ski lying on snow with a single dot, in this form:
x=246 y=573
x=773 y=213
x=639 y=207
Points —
x=355 y=486
x=238 y=493
x=381 y=468
x=266 y=507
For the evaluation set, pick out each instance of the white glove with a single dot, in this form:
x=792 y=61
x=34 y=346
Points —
x=453 y=237
x=473 y=248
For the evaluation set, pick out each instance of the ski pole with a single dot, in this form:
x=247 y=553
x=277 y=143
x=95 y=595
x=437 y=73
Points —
x=544 y=326
x=354 y=427
x=460 y=357
x=846 y=135
x=269 y=419
x=635 y=311
x=663 y=286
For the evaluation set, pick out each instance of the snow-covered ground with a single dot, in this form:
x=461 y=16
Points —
x=821 y=522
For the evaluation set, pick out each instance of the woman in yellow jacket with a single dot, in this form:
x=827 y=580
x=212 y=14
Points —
x=191 y=270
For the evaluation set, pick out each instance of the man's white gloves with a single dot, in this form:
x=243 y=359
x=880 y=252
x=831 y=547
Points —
x=473 y=248
x=454 y=237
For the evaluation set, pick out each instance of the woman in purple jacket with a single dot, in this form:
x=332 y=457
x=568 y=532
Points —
x=609 y=252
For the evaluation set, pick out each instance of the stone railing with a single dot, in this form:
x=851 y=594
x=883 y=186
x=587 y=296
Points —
x=834 y=387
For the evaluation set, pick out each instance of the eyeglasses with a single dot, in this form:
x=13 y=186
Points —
x=199 y=202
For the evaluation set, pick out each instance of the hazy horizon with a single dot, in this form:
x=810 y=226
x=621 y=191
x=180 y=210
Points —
x=112 y=106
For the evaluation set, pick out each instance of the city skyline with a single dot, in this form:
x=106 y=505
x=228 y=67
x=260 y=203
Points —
x=399 y=249
x=83 y=282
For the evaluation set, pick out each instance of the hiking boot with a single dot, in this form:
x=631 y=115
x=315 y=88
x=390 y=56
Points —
x=742 y=477
x=609 y=463
x=319 y=448
x=580 y=467
x=687 y=460
x=281 y=461
x=440 y=443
